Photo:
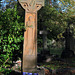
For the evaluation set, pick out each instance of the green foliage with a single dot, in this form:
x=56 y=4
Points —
x=52 y=20
x=55 y=22
x=59 y=64
x=11 y=34
x=10 y=3
x=69 y=1
x=12 y=25
x=69 y=7
x=0 y=3
x=69 y=14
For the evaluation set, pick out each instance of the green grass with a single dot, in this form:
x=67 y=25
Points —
x=69 y=63
x=56 y=51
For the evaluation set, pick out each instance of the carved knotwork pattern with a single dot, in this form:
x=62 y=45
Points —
x=31 y=6
x=25 y=5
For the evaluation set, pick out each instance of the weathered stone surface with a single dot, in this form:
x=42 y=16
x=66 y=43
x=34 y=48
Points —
x=30 y=42
x=32 y=5
x=30 y=36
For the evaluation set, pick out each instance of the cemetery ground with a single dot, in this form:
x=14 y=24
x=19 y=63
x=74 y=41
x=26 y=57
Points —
x=56 y=65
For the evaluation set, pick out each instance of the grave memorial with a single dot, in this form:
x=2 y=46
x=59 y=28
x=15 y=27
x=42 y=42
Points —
x=30 y=35
x=44 y=33
x=69 y=43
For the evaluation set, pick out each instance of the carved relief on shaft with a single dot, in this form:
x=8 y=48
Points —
x=30 y=36
x=30 y=42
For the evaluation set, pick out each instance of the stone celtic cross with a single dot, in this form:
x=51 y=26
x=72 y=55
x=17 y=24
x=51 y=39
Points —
x=30 y=35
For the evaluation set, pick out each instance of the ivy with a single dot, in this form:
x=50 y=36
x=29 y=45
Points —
x=11 y=34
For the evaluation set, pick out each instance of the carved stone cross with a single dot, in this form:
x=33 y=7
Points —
x=30 y=35
x=44 y=33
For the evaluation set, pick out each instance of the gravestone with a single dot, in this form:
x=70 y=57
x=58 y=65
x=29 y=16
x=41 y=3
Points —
x=44 y=33
x=30 y=35
x=69 y=44
x=72 y=46
x=67 y=35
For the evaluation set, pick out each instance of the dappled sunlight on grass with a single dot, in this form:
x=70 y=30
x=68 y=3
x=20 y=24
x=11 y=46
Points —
x=56 y=51
x=59 y=64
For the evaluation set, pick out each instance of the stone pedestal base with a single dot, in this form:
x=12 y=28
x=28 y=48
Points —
x=31 y=70
x=29 y=63
x=37 y=72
